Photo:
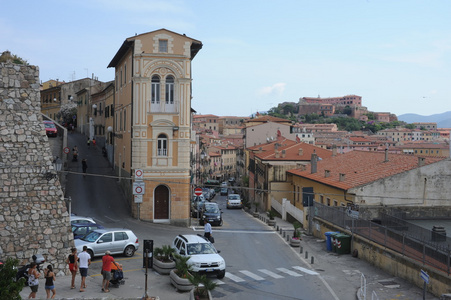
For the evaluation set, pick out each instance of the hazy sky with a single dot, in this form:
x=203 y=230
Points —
x=396 y=54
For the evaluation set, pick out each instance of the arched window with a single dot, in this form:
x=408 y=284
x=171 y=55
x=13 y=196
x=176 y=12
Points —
x=162 y=147
x=170 y=90
x=155 y=89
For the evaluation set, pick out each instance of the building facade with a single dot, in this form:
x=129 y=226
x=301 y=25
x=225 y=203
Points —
x=152 y=124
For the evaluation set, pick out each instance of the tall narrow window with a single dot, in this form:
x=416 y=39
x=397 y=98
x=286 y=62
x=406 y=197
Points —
x=162 y=146
x=155 y=89
x=125 y=74
x=163 y=46
x=169 y=90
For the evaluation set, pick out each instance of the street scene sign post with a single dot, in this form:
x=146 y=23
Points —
x=198 y=191
x=425 y=277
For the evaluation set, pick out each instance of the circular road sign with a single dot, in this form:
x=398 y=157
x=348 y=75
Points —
x=66 y=150
x=198 y=191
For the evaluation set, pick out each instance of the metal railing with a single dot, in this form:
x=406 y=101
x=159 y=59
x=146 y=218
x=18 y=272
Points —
x=420 y=244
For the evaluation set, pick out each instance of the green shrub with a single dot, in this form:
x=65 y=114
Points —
x=10 y=288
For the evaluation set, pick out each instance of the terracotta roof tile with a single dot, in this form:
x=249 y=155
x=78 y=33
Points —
x=361 y=167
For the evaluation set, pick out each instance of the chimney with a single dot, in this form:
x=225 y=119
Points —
x=326 y=173
x=276 y=146
x=334 y=150
x=301 y=151
x=276 y=153
x=342 y=177
x=260 y=150
x=313 y=163
x=386 y=155
x=283 y=153
x=421 y=161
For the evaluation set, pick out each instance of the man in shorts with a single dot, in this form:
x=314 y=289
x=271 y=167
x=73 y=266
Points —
x=107 y=259
x=85 y=260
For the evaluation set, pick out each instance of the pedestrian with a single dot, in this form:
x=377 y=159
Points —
x=85 y=260
x=88 y=142
x=84 y=166
x=75 y=153
x=208 y=233
x=94 y=142
x=72 y=260
x=49 y=276
x=33 y=280
x=107 y=259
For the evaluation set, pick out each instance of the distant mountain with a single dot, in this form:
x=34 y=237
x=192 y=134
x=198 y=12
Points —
x=443 y=120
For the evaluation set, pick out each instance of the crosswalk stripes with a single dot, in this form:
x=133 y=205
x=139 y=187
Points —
x=289 y=272
x=233 y=277
x=269 y=273
x=252 y=275
x=310 y=272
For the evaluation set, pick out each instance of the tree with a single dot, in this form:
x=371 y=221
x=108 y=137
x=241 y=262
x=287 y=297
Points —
x=67 y=111
x=9 y=287
x=347 y=110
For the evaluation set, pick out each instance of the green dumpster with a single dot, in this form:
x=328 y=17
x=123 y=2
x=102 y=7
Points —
x=333 y=239
x=343 y=243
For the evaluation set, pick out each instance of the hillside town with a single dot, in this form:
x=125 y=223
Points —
x=282 y=162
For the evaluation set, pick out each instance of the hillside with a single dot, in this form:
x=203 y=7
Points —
x=443 y=120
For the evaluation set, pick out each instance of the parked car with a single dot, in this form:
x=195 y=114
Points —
x=50 y=129
x=204 y=258
x=81 y=229
x=234 y=201
x=117 y=240
x=206 y=193
x=74 y=219
x=211 y=212
x=224 y=191
x=232 y=180
x=196 y=206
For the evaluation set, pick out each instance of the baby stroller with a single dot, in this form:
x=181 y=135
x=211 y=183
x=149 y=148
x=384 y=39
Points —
x=117 y=275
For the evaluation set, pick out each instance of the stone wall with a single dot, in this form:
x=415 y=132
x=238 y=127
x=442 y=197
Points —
x=33 y=217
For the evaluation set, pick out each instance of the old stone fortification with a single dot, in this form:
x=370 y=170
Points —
x=33 y=217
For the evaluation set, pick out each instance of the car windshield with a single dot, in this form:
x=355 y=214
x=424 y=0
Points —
x=201 y=248
x=211 y=209
x=92 y=237
x=49 y=125
x=234 y=197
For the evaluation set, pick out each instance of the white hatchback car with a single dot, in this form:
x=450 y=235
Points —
x=204 y=257
x=234 y=201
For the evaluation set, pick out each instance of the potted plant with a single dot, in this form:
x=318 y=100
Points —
x=181 y=274
x=202 y=287
x=271 y=215
x=256 y=205
x=296 y=239
x=162 y=261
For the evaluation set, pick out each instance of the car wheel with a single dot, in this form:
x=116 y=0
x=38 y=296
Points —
x=129 y=251
x=221 y=274
x=90 y=253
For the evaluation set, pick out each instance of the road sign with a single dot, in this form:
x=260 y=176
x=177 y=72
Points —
x=424 y=276
x=139 y=174
x=198 y=191
x=138 y=188
x=138 y=198
x=66 y=150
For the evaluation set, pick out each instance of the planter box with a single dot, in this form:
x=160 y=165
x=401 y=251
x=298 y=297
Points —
x=255 y=214
x=295 y=242
x=163 y=268
x=271 y=222
x=180 y=284
x=191 y=295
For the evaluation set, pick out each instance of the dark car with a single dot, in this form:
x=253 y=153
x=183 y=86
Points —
x=224 y=191
x=50 y=129
x=211 y=212
x=81 y=229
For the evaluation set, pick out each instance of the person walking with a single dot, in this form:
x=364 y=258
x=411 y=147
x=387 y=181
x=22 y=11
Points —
x=107 y=259
x=88 y=142
x=84 y=166
x=49 y=276
x=85 y=260
x=208 y=233
x=75 y=153
x=72 y=260
x=94 y=143
x=33 y=280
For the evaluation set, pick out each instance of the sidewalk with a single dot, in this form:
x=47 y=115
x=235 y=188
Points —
x=343 y=271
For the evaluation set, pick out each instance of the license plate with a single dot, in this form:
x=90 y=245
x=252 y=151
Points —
x=209 y=270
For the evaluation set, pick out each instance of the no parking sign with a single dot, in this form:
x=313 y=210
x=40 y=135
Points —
x=138 y=188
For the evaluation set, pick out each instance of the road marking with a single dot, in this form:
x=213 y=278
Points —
x=289 y=272
x=305 y=270
x=218 y=282
x=237 y=231
x=233 y=277
x=252 y=275
x=272 y=274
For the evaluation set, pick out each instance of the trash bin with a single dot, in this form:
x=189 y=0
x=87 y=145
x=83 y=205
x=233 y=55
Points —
x=343 y=243
x=438 y=234
x=333 y=239
x=328 y=240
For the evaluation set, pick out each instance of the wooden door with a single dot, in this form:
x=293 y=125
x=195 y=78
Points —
x=161 y=204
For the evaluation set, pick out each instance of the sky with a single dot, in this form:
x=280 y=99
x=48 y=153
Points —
x=256 y=54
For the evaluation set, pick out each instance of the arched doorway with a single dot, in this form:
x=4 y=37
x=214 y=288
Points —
x=161 y=205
